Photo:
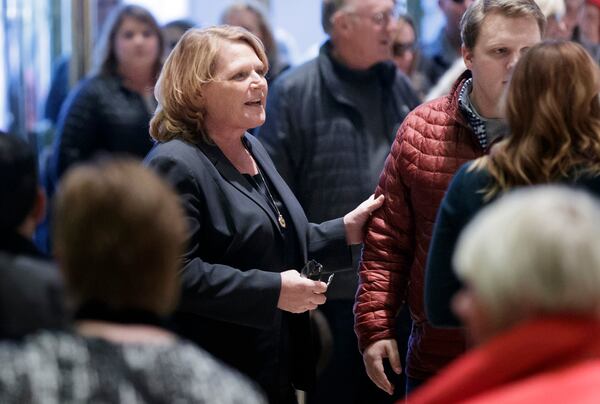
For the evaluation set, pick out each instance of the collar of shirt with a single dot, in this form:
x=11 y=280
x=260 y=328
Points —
x=487 y=131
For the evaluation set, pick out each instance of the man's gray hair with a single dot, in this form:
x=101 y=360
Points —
x=535 y=251
x=328 y=9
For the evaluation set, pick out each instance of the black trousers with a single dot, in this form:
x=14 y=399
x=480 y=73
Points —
x=344 y=379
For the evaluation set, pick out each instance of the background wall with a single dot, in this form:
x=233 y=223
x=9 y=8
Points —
x=34 y=35
x=296 y=22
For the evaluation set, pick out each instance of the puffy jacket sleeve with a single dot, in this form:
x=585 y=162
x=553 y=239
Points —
x=388 y=249
x=440 y=281
x=461 y=203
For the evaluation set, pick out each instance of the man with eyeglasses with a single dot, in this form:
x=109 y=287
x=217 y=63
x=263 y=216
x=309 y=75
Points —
x=432 y=143
x=329 y=127
x=445 y=48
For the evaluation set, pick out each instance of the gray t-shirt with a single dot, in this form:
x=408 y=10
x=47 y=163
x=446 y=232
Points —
x=62 y=367
x=487 y=131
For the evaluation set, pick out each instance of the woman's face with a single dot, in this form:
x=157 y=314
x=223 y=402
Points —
x=403 y=48
x=136 y=45
x=556 y=28
x=235 y=101
x=590 y=24
x=245 y=19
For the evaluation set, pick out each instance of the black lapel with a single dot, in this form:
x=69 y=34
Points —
x=285 y=193
x=235 y=178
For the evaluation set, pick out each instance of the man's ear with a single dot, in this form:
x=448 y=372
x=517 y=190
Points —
x=467 y=55
x=473 y=315
x=340 y=22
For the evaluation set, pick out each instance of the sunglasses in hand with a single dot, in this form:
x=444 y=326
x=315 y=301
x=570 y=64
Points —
x=313 y=271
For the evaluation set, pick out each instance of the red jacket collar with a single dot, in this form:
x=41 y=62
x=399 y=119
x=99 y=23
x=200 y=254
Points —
x=528 y=349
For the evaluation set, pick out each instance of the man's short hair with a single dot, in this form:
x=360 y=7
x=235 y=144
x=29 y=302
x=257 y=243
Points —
x=328 y=9
x=472 y=19
x=18 y=181
x=119 y=232
x=533 y=252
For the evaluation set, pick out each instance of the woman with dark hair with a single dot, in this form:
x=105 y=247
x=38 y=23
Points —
x=110 y=111
x=553 y=111
x=408 y=58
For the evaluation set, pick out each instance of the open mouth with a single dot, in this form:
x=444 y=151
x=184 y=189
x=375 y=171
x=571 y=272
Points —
x=254 y=103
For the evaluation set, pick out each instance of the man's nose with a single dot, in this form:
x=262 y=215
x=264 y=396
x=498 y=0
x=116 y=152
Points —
x=392 y=25
x=513 y=60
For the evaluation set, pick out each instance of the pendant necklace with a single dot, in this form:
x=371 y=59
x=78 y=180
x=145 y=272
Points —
x=280 y=218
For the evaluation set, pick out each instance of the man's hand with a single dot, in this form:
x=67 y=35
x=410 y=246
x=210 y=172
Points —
x=373 y=358
x=299 y=294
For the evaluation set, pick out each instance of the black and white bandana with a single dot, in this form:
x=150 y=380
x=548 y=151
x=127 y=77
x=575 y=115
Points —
x=487 y=131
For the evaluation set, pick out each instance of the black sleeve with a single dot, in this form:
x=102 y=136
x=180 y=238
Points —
x=327 y=244
x=216 y=291
x=440 y=281
x=77 y=129
x=281 y=137
x=34 y=286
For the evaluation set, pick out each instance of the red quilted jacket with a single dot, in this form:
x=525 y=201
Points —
x=432 y=143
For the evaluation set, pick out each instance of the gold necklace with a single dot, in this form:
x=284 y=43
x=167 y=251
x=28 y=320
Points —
x=280 y=217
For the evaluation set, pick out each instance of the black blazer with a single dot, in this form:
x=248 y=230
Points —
x=28 y=283
x=230 y=279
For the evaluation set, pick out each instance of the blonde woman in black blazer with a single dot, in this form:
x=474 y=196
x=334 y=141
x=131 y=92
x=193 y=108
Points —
x=243 y=297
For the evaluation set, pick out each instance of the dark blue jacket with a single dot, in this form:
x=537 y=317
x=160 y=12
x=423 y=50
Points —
x=461 y=203
x=100 y=116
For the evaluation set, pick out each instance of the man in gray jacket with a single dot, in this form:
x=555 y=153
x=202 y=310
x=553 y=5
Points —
x=329 y=127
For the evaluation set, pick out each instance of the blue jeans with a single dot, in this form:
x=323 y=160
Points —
x=412 y=384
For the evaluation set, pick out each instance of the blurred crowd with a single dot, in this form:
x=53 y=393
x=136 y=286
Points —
x=389 y=221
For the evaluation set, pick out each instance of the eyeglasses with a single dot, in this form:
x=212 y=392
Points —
x=382 y=18
x=313 y=271
x=399 y=49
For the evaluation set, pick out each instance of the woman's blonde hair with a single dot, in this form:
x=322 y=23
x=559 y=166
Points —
x=553 y=111
x=191 y=65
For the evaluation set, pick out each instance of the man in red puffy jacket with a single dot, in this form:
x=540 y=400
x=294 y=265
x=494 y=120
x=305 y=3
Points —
x=434 y=140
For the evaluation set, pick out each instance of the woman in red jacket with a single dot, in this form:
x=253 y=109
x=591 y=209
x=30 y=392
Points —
x=531 y=267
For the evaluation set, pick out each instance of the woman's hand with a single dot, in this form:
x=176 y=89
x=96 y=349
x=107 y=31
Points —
x=356 y=219
x=300 y=294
